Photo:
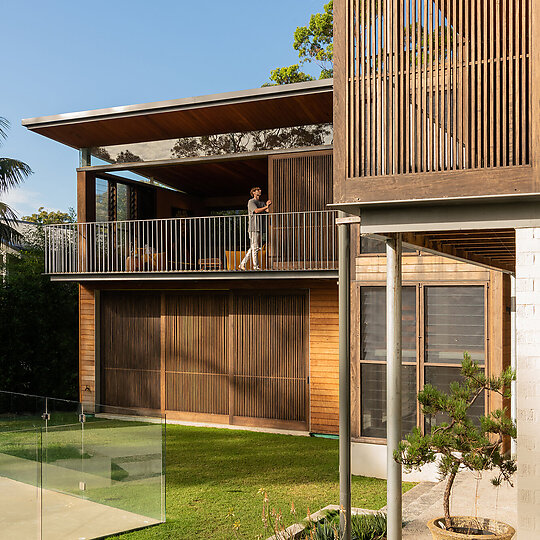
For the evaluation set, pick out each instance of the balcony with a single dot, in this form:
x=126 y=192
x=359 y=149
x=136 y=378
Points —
x=292 y=244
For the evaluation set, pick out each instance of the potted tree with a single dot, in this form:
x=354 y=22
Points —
x=459 y=443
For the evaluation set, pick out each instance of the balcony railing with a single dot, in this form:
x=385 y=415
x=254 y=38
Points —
x=295 y=241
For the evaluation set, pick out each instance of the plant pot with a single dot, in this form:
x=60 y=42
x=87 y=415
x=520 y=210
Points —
x=498 y=529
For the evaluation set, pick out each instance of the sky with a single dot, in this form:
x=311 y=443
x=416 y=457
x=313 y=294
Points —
x=64 y=56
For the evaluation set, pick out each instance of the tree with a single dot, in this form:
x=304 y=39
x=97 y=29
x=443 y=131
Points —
x=38 y=320
x=44 y=217
x=460 y=442
x=12 y=173
x=315 y=44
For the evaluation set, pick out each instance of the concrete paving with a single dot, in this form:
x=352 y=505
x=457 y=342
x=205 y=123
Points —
x=470 y=497
x=63 y=517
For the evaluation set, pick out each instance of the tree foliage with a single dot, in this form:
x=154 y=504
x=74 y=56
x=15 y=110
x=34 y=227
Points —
x=266 y=139
x=12 y=173
x=45 y=217
x=315 y=45
x=460 y=443
x=38 y=320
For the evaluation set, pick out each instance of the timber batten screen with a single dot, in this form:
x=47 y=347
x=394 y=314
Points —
x=434 y=85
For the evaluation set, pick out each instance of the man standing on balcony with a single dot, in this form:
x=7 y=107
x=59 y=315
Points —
x=255 y=206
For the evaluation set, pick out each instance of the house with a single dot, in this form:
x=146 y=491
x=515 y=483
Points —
x=437 y=144
x=26 y=230
x=169 y=323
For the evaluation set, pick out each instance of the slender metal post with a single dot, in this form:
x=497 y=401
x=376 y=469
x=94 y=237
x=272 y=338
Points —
x=513 y=404
x=344 y=381
x=393 y=384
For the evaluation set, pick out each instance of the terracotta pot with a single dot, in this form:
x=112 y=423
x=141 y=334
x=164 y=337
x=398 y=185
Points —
x=500 y=530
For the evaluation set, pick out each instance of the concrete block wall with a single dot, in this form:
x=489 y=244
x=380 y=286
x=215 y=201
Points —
x=528 y=380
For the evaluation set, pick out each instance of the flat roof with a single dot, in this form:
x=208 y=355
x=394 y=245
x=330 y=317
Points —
x=246 y=110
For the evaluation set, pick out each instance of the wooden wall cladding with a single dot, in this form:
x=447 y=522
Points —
x=429 y=268
x=208 y=355
x=324 y=360
x=270 y=356
x=300 y=182
x=196 y=353
x=130 y=349
x=87 y=346
x=434 y=85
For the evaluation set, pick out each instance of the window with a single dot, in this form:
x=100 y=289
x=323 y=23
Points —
x=453 y=320
x=373 y=357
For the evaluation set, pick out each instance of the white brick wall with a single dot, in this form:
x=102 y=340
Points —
x=528 y=380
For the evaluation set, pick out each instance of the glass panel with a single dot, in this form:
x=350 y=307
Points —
x=373 y=323
x=223 y=143
x=441 y=377
x=122 y=208
x=454 y=324
x=102 y=200
x=20 y=411
x=20 y=473
x=373 y=405
x=106 y=472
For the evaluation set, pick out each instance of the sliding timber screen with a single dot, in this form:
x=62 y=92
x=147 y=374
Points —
x=434 y=85
x=225 y=356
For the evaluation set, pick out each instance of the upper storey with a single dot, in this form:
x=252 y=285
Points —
x=163 y=186
x=436 y=99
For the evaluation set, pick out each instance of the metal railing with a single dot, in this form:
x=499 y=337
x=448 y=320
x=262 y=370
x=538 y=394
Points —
x=300 y=241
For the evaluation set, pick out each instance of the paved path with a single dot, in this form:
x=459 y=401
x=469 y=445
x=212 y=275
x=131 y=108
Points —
x=470 y=498
x=64 y=517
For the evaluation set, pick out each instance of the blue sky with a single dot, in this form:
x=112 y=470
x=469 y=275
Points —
x=63 y=56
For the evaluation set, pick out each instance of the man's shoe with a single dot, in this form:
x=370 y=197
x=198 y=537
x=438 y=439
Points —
x=257 y=268
x=241 y=267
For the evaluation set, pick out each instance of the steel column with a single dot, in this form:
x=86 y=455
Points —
x=344 y=380
x=393 y=383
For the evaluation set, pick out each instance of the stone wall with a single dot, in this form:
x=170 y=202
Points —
x=528 y=380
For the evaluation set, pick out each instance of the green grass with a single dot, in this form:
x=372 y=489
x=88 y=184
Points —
x=211 y=471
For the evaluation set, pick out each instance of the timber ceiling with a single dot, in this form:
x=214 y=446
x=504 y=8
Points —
x=212 y=179
x=262 y=108
x=490 y=247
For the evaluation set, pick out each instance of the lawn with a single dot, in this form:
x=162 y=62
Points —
x=212 y=472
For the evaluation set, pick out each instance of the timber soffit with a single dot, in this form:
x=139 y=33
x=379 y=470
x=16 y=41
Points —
x=285 y=105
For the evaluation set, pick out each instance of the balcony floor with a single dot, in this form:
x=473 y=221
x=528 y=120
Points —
x=199 y=276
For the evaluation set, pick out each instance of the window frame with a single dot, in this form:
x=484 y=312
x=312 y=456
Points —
x=356 y=375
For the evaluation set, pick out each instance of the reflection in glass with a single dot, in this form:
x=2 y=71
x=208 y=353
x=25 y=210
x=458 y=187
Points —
x=219 y=144
x=373 y=323
x=373 y=400
x=102 y=200
x=441 y=377
x=454 y=324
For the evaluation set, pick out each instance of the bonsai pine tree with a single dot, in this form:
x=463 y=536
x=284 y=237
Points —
x=461 y=443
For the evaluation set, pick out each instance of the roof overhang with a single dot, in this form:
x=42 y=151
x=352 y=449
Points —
x=247 y=110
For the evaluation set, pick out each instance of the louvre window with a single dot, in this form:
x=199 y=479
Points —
x=453 y=319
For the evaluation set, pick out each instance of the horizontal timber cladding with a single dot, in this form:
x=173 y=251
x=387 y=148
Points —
x=130 y=349
x=300 y=182
x=434 y=85
x=324 y=360
x=87 y=346
x=270 y=356
x=196 y=352
x=428 y=268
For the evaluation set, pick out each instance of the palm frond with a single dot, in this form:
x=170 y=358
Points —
x=12 y=172
x=4 y=125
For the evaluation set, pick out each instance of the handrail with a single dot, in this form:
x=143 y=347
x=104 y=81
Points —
x=291 y=241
